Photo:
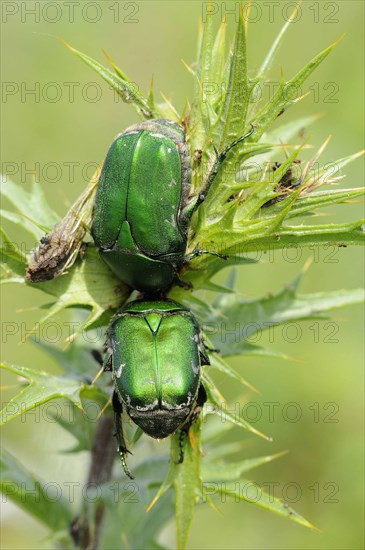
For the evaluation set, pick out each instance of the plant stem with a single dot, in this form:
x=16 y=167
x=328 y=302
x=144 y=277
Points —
x=103 y=453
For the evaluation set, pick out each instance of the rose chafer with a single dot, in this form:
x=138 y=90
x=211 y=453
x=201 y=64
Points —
x=155 y=352
x=143 y=204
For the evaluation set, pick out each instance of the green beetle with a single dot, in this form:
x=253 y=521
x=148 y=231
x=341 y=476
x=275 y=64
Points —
x=143 y=204
x=155 y=352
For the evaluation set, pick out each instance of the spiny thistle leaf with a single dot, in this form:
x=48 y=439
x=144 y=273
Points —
x=42 y=387
x=90 y=285
x=187 y=482
x=218 y=53
x=234 y=320
x=252 y=493
x=76 y=361
x=317 y=199
x=81 y=428
x=138 y=529
x=218 y=363
x=13 y=261
x=34 y=214
x=283 y=98
x=220 y=470
x=185 y=479
x=201 y=116
x=122 y=85
x=232 y=118
x=231 y=323
x=333 y=234
x=266 y=64
x=27 y=491
x=222 y=411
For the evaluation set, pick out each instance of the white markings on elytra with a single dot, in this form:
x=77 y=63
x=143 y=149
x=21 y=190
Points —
x=118 y=372
x=172 y=183
x=151 y=406
x=169 y=407
x=115 y=345
x=172 y=222
x=195 y=367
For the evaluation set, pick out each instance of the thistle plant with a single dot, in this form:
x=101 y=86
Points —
x=247 y=210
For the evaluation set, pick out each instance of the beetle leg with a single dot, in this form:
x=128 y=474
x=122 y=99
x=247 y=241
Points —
x=216 y=167
x=201 y=252
x=201 y=399
x=213 y=350
x=182 y=434
x=204 y=358
x=122 y=449
x=182 y=284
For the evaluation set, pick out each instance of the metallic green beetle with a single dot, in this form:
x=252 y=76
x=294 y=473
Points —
x=142 y=205
x=155 y=352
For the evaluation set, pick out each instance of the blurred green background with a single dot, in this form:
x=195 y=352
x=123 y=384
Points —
x=70 y=120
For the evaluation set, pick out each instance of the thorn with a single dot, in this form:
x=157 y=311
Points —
x=98 y=374
x=153 y=502
x=104 y=409
x=63 y=41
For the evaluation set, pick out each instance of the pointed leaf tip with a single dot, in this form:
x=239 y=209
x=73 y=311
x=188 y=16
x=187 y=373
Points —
x=66 y=44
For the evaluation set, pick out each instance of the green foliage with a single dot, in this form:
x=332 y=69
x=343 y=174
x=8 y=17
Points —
x=25 y=489
x=243 y=213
